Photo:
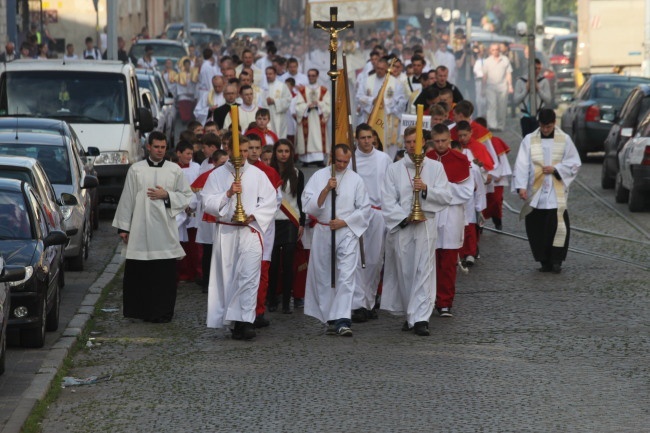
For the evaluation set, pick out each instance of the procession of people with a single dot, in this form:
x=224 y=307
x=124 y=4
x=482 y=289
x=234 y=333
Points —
x=386 y=221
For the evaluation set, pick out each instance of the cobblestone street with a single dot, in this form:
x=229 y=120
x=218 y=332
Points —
x=525 y=351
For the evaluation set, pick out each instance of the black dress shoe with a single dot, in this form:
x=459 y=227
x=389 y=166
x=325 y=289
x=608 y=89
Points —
x=406 y=327
x=360 y=315
x=556 y=268
x=261 y=321
x=248 y=331
x=546 y=267
x=237 y=332
x=421 y=329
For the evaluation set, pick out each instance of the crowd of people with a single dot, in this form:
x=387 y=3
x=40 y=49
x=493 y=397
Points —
x=341 y=261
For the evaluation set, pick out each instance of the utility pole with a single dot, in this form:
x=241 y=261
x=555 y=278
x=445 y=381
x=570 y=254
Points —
x=646 y=43
x=539 y=21
x=111 y=31
x=226 y=12
x=187 y=32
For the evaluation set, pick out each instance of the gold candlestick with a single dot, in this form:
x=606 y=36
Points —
x=239 y=216
x=416 y=209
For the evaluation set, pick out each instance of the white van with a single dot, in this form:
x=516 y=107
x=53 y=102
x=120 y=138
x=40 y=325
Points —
x=100 y=100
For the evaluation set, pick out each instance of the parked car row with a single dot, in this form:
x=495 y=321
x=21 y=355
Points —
x=68 y=133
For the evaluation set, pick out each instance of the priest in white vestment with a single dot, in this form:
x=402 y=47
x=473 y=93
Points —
x=237 y=248
x=277 y=98
x=547 y=164
x=313 y=108
x=211 y=100
x=409 y=286
x=334 y=305
x=372 y=165
x=394 y=101
x=155 y=191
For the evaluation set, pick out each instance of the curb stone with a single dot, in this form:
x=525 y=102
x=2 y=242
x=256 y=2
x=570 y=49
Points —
x=61 y=348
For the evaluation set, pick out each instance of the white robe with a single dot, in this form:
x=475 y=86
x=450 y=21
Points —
x=478 y=202
x=352 y=206
x=282 y=98
x=246 y=117
x=451 y=221
x=410 y=273
x=545 y=197
x=314 y=149
x=207 y=100
x=184 y=220
x=237 y=249
x=372 y=168
x=153 y=233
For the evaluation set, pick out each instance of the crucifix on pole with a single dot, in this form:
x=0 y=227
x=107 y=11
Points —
x=333 y=27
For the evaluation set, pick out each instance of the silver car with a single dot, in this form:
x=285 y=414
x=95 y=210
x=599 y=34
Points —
x=66 y=170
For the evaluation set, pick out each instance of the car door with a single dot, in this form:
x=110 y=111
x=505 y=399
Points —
x=50 y=263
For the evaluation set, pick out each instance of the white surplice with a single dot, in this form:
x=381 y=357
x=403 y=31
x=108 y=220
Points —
x=410 y=273
x=372 y=168
x=352 y=206
x=237 y=249
x=313 y=149
x=153 y=233
x=188 y=221
x=282 y=100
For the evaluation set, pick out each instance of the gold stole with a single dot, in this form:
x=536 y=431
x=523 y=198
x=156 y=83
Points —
x=537 y=158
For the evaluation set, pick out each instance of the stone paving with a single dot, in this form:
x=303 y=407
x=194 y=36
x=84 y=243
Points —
x=525 y=352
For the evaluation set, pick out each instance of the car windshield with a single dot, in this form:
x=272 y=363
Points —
x=16 y=173
x=159 y=50
x=200 y=39
x=14 y=220
x=54 y=159
x=617 y=91
x=77 y=97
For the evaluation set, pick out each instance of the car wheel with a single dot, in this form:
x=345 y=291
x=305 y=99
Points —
x=621 y=194
x=62 y=274
x=76 y=263
x=35 y=337
x=581 y=152
x=3 y=354
x=636 y=200
x=94 y=216
x=606 y=179
x=52 y=320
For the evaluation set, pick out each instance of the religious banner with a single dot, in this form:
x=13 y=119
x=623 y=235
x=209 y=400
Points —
x=409 y=120
x=353 y=10
x=342 y=114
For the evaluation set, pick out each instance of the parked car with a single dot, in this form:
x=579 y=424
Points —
x=562 y=55
x=27 y=239
x=172 y=29
x=163 y=49
x=626 y=124
x=32 y=172
x=163 y=99
x=248 y=32
x=558 y=26
x=201 y=37
x=66 y=173
x=8 y=274
x=62 y=128
x=633 y=178
x=590 y=115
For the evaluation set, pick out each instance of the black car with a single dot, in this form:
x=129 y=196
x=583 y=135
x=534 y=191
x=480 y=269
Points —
x=27 y=239
x=589 y=117
x=627 y=121
x=8 y=274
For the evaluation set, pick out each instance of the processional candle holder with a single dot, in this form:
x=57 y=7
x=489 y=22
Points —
x=416 y=209
x=239 y=216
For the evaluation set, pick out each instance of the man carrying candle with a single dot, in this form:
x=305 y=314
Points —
x=409 y=285
x=237 y=256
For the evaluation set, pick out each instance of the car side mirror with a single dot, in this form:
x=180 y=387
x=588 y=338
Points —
x=56 y=237
x=12 y=273
x=626 y=132
x=145 y=120
x=90 y=181
x=69 y=199
x=92 y=151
